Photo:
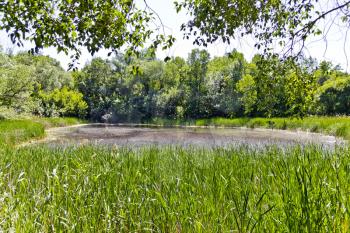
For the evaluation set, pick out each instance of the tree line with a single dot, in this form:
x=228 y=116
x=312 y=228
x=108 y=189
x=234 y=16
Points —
x=127 y=89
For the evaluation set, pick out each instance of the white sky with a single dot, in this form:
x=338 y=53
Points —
x=336 y=49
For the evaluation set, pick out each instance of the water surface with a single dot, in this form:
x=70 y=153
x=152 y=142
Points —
x=110 y=135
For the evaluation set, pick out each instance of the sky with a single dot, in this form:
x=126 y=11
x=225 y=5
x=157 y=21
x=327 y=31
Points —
x=335 y=50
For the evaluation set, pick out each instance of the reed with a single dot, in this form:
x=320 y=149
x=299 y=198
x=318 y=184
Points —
x=90 y=189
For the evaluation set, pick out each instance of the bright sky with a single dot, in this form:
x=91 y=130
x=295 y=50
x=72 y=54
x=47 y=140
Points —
x=336 y=49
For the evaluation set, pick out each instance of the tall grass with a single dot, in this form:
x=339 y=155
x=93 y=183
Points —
x=13 y=132
x=58 y=121
x=90 y=189
x=337 y=126
x=17 y=131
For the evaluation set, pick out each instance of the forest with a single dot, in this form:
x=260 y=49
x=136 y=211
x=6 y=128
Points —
x=130 y=89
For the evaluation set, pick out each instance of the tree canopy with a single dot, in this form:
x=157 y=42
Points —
x=287 y=22
x=199 y=87
x=69 y=25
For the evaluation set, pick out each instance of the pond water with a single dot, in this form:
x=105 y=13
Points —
x=103 y=134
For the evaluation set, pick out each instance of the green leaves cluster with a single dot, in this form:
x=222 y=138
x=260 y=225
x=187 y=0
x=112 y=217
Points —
x=70 y=25
x=62 y=102
x=38 y=85
x=202 y=87
x=199 y=87
x=271 y=22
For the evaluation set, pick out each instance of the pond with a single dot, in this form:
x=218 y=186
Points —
x=136 y=136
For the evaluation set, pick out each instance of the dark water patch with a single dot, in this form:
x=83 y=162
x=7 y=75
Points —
x=140 y=136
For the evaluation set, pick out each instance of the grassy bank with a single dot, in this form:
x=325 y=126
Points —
x=337 y=126
x=59 y=121
x=174 y=190
x=14 y=132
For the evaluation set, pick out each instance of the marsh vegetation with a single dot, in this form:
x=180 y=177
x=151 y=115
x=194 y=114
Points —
x=121 y=179
x=175 y=189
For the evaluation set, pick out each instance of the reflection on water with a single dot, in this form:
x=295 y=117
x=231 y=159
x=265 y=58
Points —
x=101 y=134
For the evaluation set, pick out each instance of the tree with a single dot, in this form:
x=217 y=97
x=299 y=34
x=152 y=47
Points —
x=289 y=23
x=247 y=87
x=197 y=105
x=70 y=24
x=97 y=84
x=333 y=97
x=222 y=77
x=269 y=79
x=16 y=83
x=171 y=101
x=62 y=102
x=144 y=88
x=48 y=74
x=300 y=87
x=112 y=24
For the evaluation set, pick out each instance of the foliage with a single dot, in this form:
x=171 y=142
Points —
x=334 y=96
x=98 y=84
x=198 y=64
x=62 y=102
x=68 y=25
x=173 y=95
x=199 y=87
x=38 y=85
x=287 y=23
x=47 y=72
x=222 y=77
x=16 y=85
x=247 y=87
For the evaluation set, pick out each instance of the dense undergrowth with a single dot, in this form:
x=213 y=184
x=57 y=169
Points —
x=89 y=189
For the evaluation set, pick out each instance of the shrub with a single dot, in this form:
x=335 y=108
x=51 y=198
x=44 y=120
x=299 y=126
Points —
x=62 y=102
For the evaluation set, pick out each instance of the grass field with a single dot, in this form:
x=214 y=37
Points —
x=14 y=132
x=59 y=121
x=17 y=131
x=170 y=189
x=174 y=190
x=337 y=126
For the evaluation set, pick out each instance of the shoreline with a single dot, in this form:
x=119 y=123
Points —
x=55 y=133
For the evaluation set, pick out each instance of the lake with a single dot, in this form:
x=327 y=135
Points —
x=136 y=136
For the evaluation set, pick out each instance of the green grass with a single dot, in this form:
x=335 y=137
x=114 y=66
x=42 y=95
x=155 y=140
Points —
x=337 y=126
x=174 y=190
x=59 y=121
x=170 y=122
x=91 y=189
x=13 y=132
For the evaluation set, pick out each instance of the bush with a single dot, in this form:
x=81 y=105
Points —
x=62 y=102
